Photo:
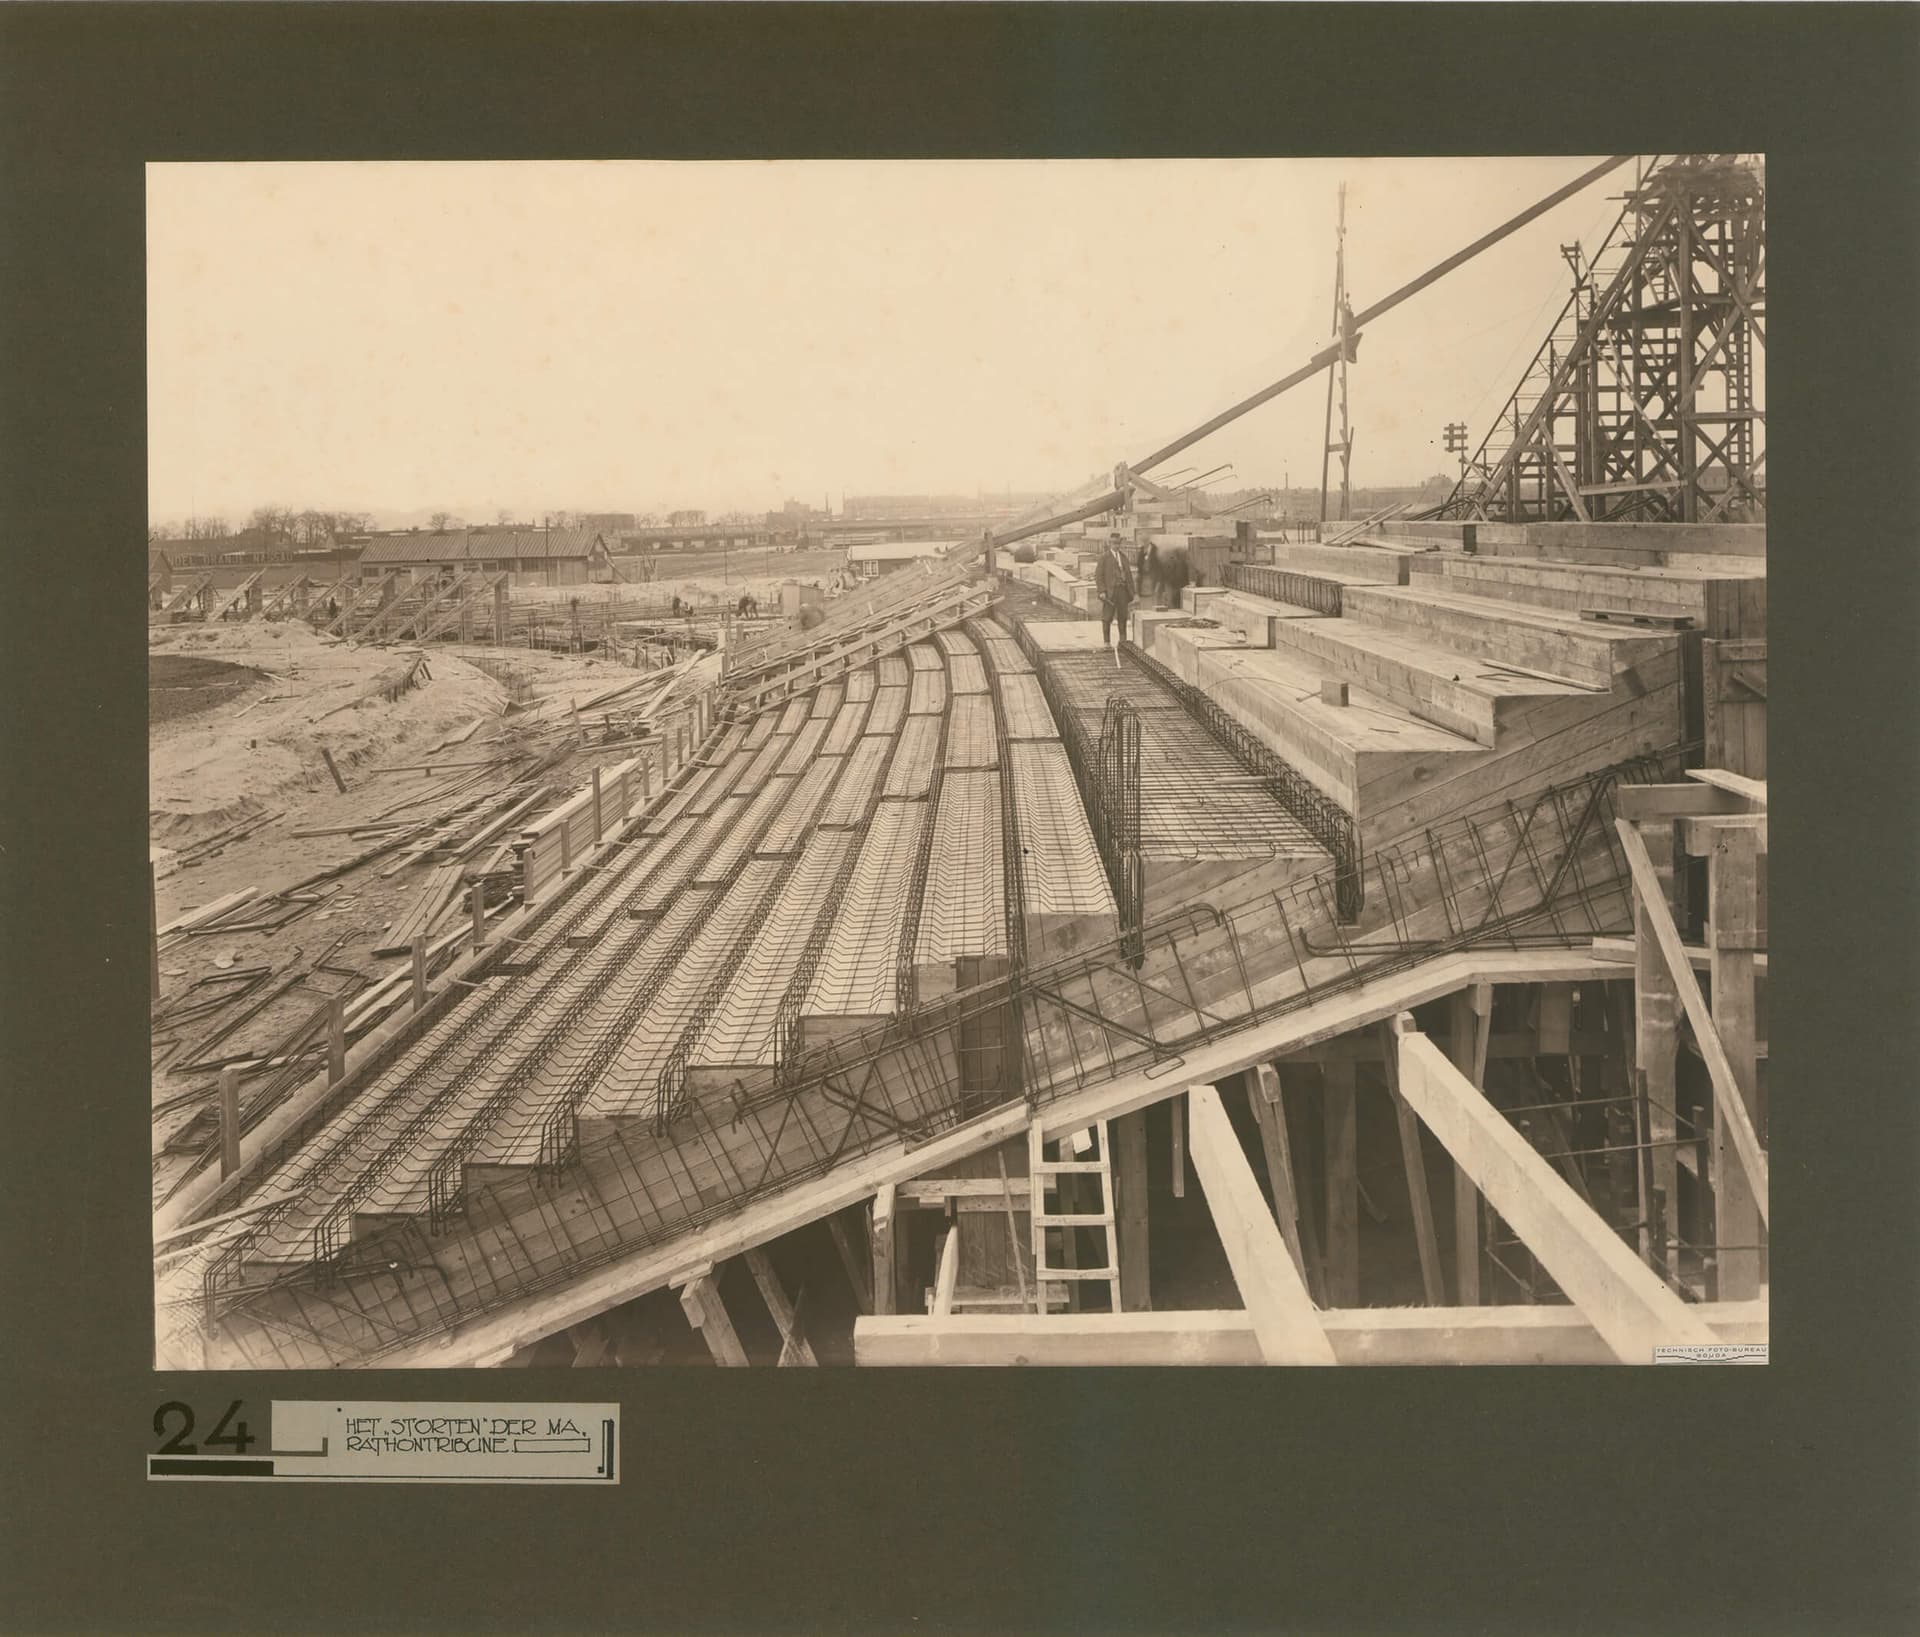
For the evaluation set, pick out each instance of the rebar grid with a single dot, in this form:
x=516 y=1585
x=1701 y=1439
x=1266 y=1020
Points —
x=1182 y=981
x=1281 y=585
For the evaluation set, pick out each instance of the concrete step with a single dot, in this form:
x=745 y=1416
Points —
x=1723 y=599
x=1459 y=692
x=1351 y=565
x=1276 y=696
x=1244 y=612
x=1555 y=641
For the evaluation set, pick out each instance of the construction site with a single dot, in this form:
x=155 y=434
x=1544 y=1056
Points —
x=1358 y=957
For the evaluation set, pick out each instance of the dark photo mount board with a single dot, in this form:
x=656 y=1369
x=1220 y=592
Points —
x=1768 y=1500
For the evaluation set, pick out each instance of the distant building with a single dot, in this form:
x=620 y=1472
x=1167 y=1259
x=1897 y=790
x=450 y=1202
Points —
x=533 y=556
x=609 y=524
x=159 y=572
x=695 y=537
x=250 y=547
x=869 y=559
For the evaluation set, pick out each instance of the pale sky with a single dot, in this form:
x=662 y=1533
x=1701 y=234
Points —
x=629 y=335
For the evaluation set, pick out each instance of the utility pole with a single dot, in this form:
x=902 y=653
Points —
x=1457 y=442
x=1342 y=329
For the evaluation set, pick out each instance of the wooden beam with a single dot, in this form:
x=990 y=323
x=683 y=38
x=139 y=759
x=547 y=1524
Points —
x=1699 y=834
x=1729 y=1101
x=700 y=1298
x=1472 y=1030
x=1269 y=1111
x=1340 y=1116
x=939 y=1192
x=1733 y=880
x=1129 y=1134
x=1625 y=1300
x=1285 y=1321
x=1398 y=1336
x=948 y=1274
x=1735 y=784
x=229 y=1120
x=1642 y=802
x=793 y=1341
x=1699 y=957
x=1414 y=1162
x=880 y=1237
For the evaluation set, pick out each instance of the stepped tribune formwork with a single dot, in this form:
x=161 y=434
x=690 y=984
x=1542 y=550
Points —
x=1300 y=981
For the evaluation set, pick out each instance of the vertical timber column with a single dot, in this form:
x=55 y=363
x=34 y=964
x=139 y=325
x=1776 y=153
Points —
x=500 y=613
x=1472 y=1032
x=1413 y=1159
x=1270 y=1113
x=1129 y=1134
x=1656 y=1030
x=881 y=1233
x=1732 y=908
x=229 y=1121
x=1343 y=1186
x=336 y=1040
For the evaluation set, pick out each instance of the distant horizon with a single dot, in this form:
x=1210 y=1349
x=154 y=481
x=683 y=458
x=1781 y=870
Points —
x=505 y=332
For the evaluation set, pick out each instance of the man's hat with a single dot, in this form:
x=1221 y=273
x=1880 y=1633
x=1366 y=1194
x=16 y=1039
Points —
x=1113 y=534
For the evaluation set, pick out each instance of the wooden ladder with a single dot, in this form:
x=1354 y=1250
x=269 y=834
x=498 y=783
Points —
x=1046 y=1273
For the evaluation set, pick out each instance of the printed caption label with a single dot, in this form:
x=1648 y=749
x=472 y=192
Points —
x=1729 y=1352
x=404 y=1441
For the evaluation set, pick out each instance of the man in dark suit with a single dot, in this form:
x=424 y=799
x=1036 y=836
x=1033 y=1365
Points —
x=1114 y=582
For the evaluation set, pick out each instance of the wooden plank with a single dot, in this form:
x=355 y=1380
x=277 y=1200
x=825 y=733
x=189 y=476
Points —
x=1626 y=1302
x=1270 y=1111
x=1420 y=1203
x=1340 y=1116
x=1732 y=905
x=1656 y=1033
x=1728 y=1099
x=1753 y=791
x=700 y=1298
x=786 y=1319
x=1446 y=1336
x=1285 y=1321
x=1699 y=957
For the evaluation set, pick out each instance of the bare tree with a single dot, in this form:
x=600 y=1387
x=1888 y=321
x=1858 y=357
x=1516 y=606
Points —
x=442 y=521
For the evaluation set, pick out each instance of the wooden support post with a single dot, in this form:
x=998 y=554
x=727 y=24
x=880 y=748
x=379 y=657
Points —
x=477 y=898
x=949 y=1272
x=1730 y=1102
x=880 y=1237
x=339 y=783
x=856 y=1260
x=1472 y=1033
x=1129 y=1134
x=1270 y=1112
x=419 y=970
x=336 y=1040
x=646 y=780
x=229 y=1121
x=526 y=873
x=786 y=1318
x=1732 y=909
x=700 y=1299
x=1413 y=1159
x=1284 y=1319
x=1177 y=1108
x=598 y=830
x=1620 y=1296
x=566 y=846
x=1656 y=1035
x=1341 y=1117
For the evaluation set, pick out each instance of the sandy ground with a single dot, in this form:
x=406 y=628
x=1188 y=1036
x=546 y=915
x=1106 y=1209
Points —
x=253 y=750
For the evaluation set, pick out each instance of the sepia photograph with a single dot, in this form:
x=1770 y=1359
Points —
x=993 y=762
